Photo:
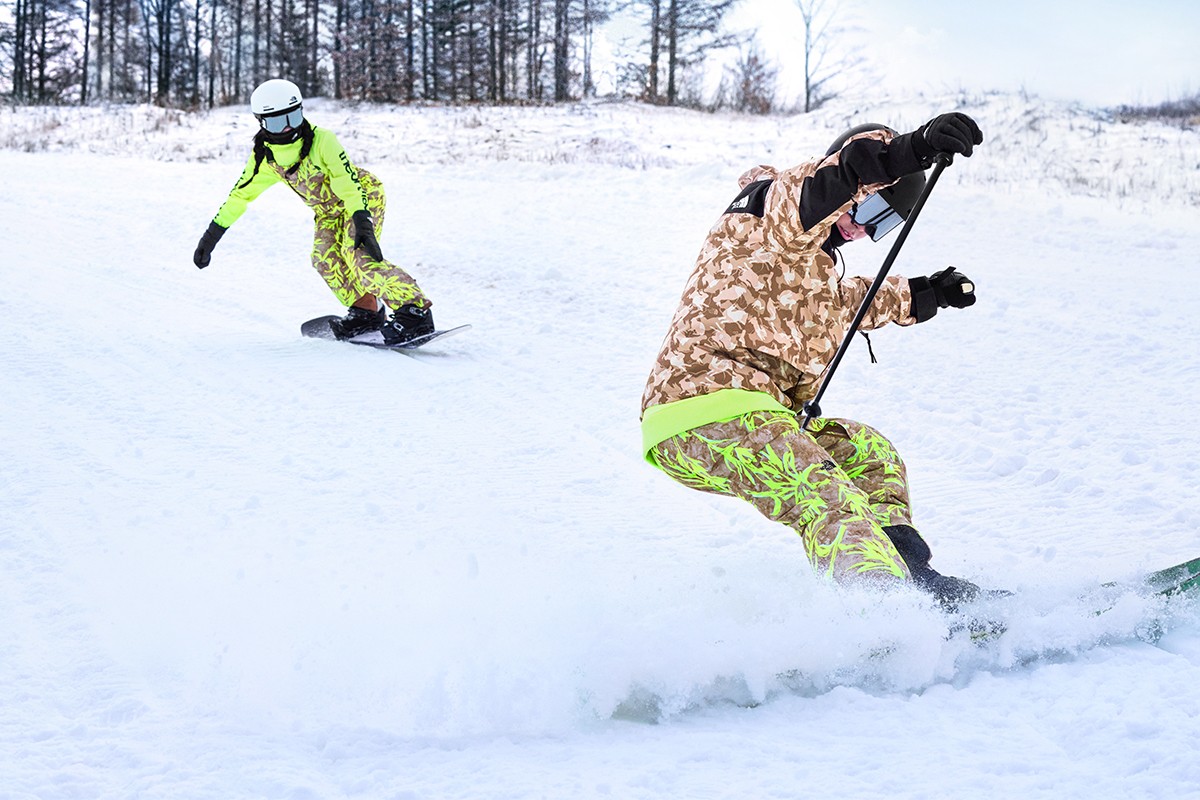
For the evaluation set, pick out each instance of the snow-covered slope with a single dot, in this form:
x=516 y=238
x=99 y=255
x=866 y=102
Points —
x=238 y=563
x=1033 y=144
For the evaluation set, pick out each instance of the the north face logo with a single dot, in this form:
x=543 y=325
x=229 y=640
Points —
x=750 y=200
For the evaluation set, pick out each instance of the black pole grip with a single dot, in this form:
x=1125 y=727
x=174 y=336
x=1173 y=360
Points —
x=812 y=408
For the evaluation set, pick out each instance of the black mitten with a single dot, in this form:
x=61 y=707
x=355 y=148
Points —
x=208 y=241
x=364 y=235
x=948 y=133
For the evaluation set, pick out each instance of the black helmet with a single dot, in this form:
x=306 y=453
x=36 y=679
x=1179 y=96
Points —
x=900 y=197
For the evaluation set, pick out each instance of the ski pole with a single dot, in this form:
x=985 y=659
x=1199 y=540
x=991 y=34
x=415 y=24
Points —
x=812 y=408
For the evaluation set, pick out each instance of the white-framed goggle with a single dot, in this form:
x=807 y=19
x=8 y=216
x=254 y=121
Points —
x=280 y=121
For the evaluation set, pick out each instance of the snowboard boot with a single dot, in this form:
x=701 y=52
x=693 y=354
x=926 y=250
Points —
x=409 y=322
x=357 y=322
x=948 y=591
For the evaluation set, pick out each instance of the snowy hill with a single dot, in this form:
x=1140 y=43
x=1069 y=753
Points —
x=1033 y=144
x=241 y=564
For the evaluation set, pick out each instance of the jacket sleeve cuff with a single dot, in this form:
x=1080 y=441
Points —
x=908 y=153
x=924 y=300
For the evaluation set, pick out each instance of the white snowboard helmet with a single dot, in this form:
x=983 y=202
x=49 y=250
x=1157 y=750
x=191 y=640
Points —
x=277 y=104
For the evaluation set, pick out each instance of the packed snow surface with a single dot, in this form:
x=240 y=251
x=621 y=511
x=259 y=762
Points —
x=236 y=563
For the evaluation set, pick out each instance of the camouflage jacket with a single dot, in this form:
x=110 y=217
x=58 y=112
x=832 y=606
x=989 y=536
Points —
x=765 y=309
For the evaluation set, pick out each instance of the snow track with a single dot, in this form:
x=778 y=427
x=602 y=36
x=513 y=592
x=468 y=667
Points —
x=238 y=563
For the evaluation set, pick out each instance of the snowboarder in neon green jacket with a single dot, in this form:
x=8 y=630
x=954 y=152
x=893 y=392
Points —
x=348 y=207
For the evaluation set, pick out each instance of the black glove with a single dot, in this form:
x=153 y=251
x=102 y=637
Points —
x=952 y=288
x=208 y=241
x=947 y=133
x=941 y=289
x=364 y=235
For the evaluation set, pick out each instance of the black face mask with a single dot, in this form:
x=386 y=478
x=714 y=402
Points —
x=286 y=137
x=834 y=241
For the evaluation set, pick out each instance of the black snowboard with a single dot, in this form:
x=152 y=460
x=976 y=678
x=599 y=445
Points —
x=319 y=329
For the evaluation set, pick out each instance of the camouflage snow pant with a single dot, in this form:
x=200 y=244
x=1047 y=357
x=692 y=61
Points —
x=350 y=272
x=836 y=485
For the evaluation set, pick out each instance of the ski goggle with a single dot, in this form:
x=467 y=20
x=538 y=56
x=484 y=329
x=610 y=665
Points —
x=282 y=120
x=877 y=216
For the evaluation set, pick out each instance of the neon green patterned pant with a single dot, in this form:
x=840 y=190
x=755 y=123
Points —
x=350 y=272
x=836 y=485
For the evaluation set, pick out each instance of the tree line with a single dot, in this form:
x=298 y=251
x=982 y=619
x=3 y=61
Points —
x=203 y=53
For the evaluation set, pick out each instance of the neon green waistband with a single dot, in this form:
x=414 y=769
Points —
x=661 y=422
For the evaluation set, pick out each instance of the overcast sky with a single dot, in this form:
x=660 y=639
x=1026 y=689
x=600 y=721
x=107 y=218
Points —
x=1098 y=52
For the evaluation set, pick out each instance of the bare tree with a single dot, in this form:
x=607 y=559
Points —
x=87 y=38
x=196 y=57
x=533 y=50
x=682 y=31
x=45 y=46
x=822 y=63
x=750 y=82
x=206 y=52
x=562 y=49
x=595 y=12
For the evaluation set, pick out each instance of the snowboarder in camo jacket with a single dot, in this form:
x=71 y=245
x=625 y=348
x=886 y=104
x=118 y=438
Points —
x=348 y=206
x=761 y=318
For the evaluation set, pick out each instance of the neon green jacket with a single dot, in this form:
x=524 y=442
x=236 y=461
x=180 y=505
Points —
x=326 y=181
